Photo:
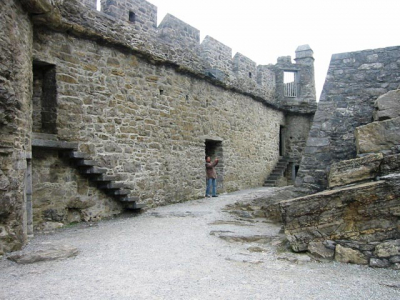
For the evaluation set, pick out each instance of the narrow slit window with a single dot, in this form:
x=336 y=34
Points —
x=250 y=75
x=132 y=17
x=98 y=5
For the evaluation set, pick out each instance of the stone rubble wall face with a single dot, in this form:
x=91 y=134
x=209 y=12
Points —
x=216 y=55
x=148 y=123
x=15 y=120
x=142 y=106
x=295 y=135
x=362 y=218
x=354 y=81
x=63 y=196
x=179 y=43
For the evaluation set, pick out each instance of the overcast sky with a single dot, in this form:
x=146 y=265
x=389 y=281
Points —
x=263 y=30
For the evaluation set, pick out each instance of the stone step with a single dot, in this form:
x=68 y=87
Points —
x=120 y=192
x=129 y=199
x=76 y=155
x=134 y=206
x=86 y=163
x=277 y=172
x=52 y=144
x=110 y=186
x=93 y=171
x=103 y=178
x=269 y=181
x=269 y=184
x=283 y=167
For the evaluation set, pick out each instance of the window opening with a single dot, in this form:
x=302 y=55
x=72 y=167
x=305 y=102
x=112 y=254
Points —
x=44 y=98
x=132 y=17
x=296 y=170
x=98 y=5
x=290 y=84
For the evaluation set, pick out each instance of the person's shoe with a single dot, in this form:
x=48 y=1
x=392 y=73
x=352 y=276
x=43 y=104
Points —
x=208 y=196
x=215 y=196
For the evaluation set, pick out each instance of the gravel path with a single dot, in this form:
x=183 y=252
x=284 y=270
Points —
x=193 y=250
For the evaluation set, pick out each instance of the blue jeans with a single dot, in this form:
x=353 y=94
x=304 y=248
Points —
x=211 y=182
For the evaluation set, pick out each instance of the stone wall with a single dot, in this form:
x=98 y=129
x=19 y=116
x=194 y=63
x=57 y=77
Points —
x=149 y=124
x=141 y=100
x=358 y=220
x=355 y=224
x=353 y=83
x=62 y=196
x=295 y=135
x=15 y=121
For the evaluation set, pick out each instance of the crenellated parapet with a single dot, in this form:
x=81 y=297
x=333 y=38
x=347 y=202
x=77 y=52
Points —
x=133 y=24
x=140 y=14
x=217 y=58
x=179 y=42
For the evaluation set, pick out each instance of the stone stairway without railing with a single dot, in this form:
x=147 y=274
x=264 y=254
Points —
x=90 y=169
x=277 y=173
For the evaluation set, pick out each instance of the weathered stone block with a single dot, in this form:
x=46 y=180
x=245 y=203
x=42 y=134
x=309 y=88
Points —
x=362 y=212
x=348 y=255
x=354 y=170
x=387 y=106
x=395 y=259
x=79 y=203
x=378 y=136
x=379 y=263
x=388 y=249
x=390 y=164
x=51 y=253
x=320 y=251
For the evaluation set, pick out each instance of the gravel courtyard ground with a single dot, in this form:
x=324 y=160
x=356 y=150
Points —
x=193 y=250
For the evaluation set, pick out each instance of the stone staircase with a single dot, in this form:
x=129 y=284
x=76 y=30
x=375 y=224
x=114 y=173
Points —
x=90 y=169
x=277 y=173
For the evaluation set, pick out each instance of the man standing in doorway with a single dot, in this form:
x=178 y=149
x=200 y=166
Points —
x=211 y=176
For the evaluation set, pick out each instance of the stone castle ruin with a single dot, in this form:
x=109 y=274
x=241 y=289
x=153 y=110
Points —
x=104 y=111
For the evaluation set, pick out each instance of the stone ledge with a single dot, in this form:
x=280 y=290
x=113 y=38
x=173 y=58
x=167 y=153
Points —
x=354 y=170
x=364 y=212
x=51 y=144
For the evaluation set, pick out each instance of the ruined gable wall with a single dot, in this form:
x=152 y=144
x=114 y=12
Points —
x=15 y=124
x=354 y=82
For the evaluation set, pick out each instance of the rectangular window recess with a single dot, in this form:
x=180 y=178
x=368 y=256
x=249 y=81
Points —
x=132 y=17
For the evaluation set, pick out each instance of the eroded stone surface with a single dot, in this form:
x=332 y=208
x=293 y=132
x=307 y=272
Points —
x=387 y=106
x=46 y=254
x=320 y=251
x=388 y=249
x=355 y=170
x=348 y=255
x=378 y=136
x=363 y=212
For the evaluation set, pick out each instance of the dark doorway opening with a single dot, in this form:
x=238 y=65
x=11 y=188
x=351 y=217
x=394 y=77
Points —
x=214 y=150
x=281 y=141
x=44 y=98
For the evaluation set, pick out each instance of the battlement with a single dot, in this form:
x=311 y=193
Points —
x=179 y=43
x=141 y=14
